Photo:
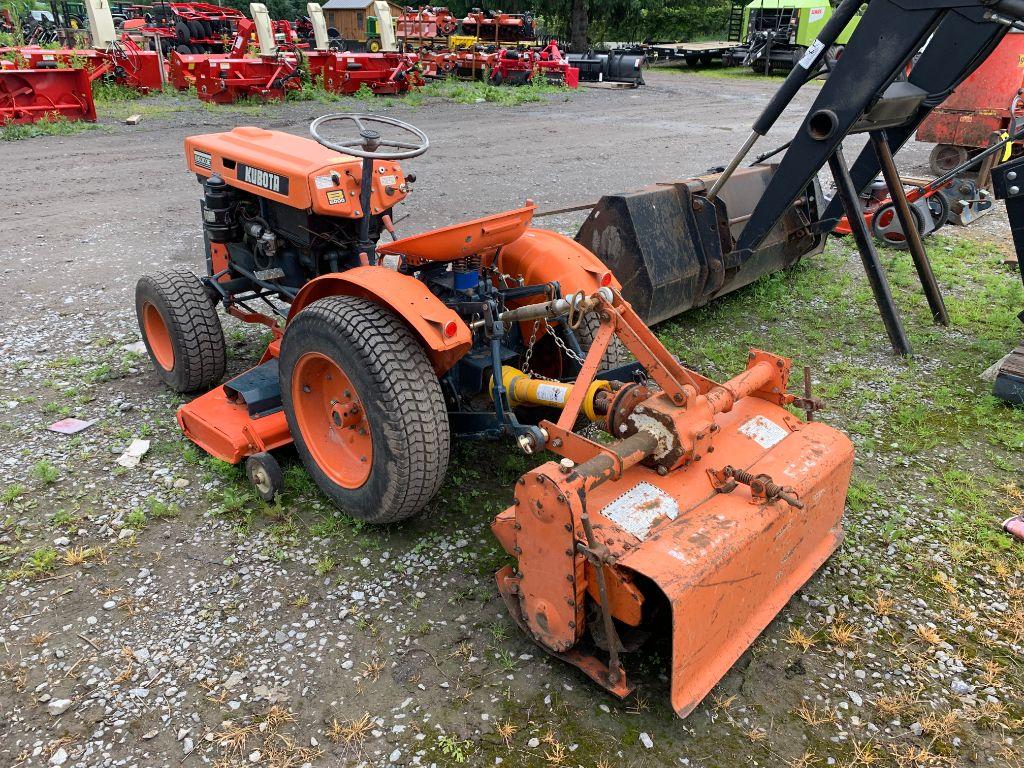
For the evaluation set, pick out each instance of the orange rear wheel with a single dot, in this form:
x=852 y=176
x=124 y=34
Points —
x=332 y=419
x=364 y=407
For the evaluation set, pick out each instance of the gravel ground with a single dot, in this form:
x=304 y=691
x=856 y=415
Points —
x=161 y=615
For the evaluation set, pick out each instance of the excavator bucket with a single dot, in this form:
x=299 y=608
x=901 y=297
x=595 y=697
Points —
x=712 y=509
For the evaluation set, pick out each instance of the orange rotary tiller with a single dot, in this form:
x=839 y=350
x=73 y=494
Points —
x=714 y=502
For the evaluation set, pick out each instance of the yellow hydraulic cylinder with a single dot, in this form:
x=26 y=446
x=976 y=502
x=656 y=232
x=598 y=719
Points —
x=522 y=390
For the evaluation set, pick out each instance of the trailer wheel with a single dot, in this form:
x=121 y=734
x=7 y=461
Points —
x=181 y=330
x=195 y=28
x=365 y=408
x=946 y=157
x=182 y=32
x=183 y=49
x=265 y=475
x=373 y=46
x=614 y=356
x=496 y=77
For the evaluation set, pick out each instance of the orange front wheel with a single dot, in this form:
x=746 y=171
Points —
x=365 y=408
x=181 y=330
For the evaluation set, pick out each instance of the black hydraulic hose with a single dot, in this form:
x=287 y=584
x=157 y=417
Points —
x=1012 y=8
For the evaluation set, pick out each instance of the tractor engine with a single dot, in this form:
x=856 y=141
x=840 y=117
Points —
x=277 y=242
x=280 y=210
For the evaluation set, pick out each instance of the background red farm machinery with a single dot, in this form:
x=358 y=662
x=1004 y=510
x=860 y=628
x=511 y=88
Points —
x=426 y=23
x=123 y=62
x=187 y=27
x=964 y=123
x=498 y=27
x=30 y=95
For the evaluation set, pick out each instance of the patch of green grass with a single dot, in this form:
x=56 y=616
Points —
x=455 y=750
x=62 y=518
x=51 y=125
x=104 y=92
x=45 y=472
x=161 y=510
x=136 y=520
x=476 y=91
x=42 y=560
x=12 y=492
x=324 y=565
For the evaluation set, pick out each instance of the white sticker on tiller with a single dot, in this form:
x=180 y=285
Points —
x=324 y=182
x=812 y=53
x=762 y=431
x=636 y=510
x=550 y=394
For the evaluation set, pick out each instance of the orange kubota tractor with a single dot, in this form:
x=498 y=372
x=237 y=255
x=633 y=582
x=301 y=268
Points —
x=705 y=507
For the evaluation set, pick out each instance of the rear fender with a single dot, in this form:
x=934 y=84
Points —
x=424 y=314
x=542 y=256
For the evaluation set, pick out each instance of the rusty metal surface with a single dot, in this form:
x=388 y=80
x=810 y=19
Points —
x=980 y=104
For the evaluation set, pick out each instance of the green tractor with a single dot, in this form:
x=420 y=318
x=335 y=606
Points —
x=775 y=34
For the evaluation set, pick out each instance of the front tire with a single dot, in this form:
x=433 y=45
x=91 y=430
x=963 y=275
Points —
x=365 y=408
x=181 y=330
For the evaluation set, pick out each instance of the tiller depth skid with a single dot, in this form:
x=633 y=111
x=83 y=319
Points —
x=711 y=508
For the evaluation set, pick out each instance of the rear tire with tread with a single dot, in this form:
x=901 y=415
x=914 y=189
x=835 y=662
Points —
x=194 y=334
x=614 y=356
x=404 y=406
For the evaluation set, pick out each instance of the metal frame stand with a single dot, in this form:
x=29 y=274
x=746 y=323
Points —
x=868 y=254
x=899 y=198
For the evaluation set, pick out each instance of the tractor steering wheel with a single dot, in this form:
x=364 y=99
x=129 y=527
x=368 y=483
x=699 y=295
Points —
x=369 y=142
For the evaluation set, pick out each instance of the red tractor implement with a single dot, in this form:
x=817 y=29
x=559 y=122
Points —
x=31 y=95
x=222 y=80
x=425 y=24
x=498 y=27
x=181 y=68
x=382 y=73
x=122 y=62
x=963 y=124
x=192 y=27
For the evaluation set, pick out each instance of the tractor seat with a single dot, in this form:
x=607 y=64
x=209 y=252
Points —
x=469 y=238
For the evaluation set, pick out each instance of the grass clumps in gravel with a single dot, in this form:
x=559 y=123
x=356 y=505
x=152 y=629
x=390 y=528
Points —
x=50 y=125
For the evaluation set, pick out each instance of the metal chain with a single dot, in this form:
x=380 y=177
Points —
x=561 y=344
x=529 y=347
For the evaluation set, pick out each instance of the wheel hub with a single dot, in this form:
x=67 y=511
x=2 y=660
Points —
x=332 y=420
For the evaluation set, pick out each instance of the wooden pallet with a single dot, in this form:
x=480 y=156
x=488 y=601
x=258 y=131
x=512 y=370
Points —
x=1014 y=364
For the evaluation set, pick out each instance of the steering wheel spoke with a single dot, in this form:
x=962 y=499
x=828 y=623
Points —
x=367 y=147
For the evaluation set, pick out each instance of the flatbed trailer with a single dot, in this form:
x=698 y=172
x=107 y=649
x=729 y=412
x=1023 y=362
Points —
x=695 y=54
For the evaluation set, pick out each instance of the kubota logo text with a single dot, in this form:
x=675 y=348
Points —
x=271 y=182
